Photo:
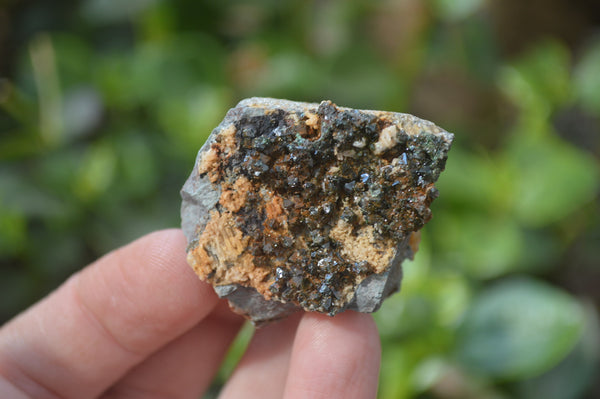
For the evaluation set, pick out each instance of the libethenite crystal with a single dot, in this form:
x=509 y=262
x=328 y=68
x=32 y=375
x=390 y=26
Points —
x=309 y=206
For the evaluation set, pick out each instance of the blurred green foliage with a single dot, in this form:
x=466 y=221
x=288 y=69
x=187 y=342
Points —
x=103 y=105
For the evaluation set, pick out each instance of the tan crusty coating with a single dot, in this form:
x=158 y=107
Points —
x=363 y=246
x=234 y=197
x=221 y=256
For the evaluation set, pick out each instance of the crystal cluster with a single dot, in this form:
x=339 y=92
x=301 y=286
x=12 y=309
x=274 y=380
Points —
x=309 y=206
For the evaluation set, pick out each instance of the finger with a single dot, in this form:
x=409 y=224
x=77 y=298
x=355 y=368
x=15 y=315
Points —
x=7 y=390
x=334 y=357
x=262 y=370
x=107 y=318
x=186 y=366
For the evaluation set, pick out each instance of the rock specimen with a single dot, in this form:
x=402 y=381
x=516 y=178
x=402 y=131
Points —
x=294 y=205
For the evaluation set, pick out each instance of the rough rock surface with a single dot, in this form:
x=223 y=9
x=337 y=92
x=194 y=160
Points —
x=295 y=205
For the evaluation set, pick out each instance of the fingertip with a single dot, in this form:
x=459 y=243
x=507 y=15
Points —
x=162 y=248
x=357 y=326
x=264 y=366
x=166 y=251
x=148 y=284
x=167 y=238
x=113 y=313
x=335 y=357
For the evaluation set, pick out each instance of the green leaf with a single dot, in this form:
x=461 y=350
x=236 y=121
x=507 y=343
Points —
x=457 y=9
x=15 y=292
x=13 y=232
x=138 y=170
x=574 y=374
x=539 y=81
x=484 y=246
x=82 y=110
x=190 y=117
x=111 y=11
x=20 y=195
x=96 y=173
x=235 y=352
x=519 y=328
x=551 y=179
x=74 y=59
x=395 y=373
x=474 y=180
x=587 y=78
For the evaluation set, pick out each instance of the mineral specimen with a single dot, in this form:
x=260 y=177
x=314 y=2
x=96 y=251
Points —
x=309 y=206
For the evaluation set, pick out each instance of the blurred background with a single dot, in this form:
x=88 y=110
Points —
x=104 y=103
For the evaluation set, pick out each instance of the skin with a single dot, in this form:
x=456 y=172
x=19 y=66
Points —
x=138 y=323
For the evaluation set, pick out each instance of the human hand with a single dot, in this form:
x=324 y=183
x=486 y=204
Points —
x=139 y=324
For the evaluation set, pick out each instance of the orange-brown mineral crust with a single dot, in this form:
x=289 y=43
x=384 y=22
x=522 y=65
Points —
x=313 y=206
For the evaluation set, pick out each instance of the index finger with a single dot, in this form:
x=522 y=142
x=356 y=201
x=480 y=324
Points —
x=335 y=357
x=105 y=319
